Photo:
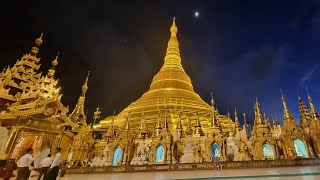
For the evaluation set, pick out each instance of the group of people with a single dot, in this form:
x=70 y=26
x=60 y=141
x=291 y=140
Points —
x=49 y=168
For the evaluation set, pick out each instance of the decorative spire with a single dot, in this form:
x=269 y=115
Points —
x=304 y=114
x=287 y=114
x=212 y=101
x=214 y=120
x=85 y=85
x=244 y=118
x=54 y=63
x=127 y=125
x=314 y=114
x=179 y=127
x=165 y=125
x=158 y=128
x=277 y=121
x=257 y=114
x=172 y=59
x=198 y=131
x=236 y=120
x=38 y=42
x=78 y=112
x=143 y=130
x=189 y=127
x=245 y=125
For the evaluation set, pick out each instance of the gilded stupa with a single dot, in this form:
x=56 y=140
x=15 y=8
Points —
x=171 y=90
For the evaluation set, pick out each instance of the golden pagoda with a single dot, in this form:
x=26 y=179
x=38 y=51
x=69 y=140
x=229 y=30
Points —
x=171 y=89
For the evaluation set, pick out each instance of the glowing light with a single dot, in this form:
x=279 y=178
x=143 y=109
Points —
x=196 y=14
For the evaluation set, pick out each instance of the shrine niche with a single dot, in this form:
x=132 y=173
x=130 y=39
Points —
x=300 y=148
x=215 y=152
x=268 y=152
x=160 y=155
x=117 y=156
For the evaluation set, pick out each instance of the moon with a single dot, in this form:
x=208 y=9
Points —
x=196 y=14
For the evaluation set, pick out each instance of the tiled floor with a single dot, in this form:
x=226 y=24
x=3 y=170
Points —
x=283 y=173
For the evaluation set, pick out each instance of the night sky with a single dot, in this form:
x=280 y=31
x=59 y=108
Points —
x=236 y=49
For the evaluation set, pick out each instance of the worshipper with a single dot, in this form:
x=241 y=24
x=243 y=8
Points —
x=54 y=168
x=45 y=165
x=25 y=163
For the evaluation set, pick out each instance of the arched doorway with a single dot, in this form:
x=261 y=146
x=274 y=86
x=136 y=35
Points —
x=300 y=148
x=160 y=155
x=215 y=152
x=117 y=156
x=267 y=151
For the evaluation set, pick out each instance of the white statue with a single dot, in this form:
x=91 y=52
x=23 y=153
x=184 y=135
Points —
x=232 y=147
x=141 y=154
x=188 y=152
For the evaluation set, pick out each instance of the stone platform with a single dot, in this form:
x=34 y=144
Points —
x=199 y=166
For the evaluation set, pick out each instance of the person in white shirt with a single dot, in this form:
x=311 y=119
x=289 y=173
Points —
x=24 y=164
x=45 y=165
x=54 y=168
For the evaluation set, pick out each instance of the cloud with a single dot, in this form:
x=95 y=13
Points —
x=308 y=75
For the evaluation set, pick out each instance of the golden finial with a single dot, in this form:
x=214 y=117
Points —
x=174 y=28
x=39 y=40
x=85 y=85
x=244 y=118
x=55 y=61
x=212 y=101
x=314 y=113
x=35 y=49
x=287 y=114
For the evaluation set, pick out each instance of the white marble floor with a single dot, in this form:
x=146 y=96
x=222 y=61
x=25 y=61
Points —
x=282 y=173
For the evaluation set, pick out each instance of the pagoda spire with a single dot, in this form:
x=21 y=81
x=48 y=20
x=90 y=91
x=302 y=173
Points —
x=236 y=119
x=35 y=49
x=257 y=114
x=214 y=120
x=158 y=128
x=212 y=101
x=165 y=125
x=245 y=125
x=127 y=125
x=78 y=112
x=304 y=114
x=143 y=130
x=314 y=114
x=179 y=127
x=172 y=59
x=54 y=63
x=189 y=127
x=286 y=114
x=198 y=131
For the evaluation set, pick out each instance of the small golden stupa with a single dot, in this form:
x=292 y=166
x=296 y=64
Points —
x=171 y=90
